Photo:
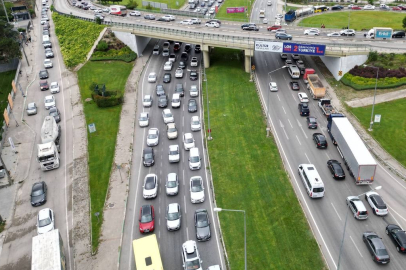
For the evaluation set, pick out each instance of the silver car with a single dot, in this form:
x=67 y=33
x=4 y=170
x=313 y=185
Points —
x=172 y=184
x=31 y=108
x=173 y=217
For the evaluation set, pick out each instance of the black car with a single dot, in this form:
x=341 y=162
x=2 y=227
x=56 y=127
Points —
x=202 y=224
x=149 y=17
x=398 y=34
x=337 y=7
x=198 y=48
x=376 y=247
x=311 y=122
x=167 y=78
x=55 y=113
x=160 y=90
x=43 y=74
x=283 y=36
x=179 y=89
x=163 y=19
x=398 y=237
x=193 y=75
x=148 y=157
x=294 y=85
x=184 y=56
x=188 y=48
x=192 y=105
x=304 y=109
x=39 y=193
x=249 y=27
x=163 y=101
x=47 y=44
x=320 y=140
x=182 y=65
x=336 y=169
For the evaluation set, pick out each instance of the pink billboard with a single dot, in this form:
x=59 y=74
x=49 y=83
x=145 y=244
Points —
x=236 y=10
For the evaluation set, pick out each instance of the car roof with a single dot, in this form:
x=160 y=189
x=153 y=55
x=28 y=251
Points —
x=171 y=124
x=195 y=118
x=171 y=177
x=360 y=205
x=146 y=209
x=43 y=213
x=166 y=111
x=173 y=208
x=148 y=150
x=174 y=147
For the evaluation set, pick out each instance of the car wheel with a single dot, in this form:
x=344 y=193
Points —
x=306 y=34
x=290 y=38
x=398 y=249
x=387 y=232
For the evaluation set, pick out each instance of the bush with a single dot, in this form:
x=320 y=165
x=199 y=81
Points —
x=125 y=54
x=370 y=72
x=373 y=56
x=102 y=46
x=111 y=99
x=148 y=6
x=132 y=4
x=361 y=83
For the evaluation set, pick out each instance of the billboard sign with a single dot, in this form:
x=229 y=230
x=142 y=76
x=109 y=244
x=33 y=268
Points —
x=383 y=33
x=236 y=10
x=307 y=49
x=267 y=46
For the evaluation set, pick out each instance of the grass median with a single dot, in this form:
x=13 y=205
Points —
x=101 y=144
x=248 y=174
x=241 y=17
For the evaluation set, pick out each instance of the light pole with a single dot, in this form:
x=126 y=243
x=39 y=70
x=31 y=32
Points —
x=267 y=106
x=245 y=230
x=208 y=106
x=373 y=104
x=345 y=226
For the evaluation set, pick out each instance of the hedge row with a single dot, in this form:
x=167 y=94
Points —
x=370 y=72
x=109 y=101
x=360 y=83
x=126 y=58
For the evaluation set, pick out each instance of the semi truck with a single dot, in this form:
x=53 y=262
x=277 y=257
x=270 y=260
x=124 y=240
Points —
x=48 y=252
x=326 y=107
x=379 y=33
x=357 y=158
x=316 y=87
x=48 y=150
x=51 y=132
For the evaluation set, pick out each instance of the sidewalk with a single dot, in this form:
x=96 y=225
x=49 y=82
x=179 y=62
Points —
x=361 y=102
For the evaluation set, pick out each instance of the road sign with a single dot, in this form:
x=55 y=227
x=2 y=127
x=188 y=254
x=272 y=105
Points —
x=340 y=73
x=266 y=46
x=377 y=118
x=209 y=130
x=253 y=67
x=307 y=49
x=92 y=127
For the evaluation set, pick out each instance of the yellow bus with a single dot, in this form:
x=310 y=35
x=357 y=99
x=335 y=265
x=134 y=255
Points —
x=146 y=253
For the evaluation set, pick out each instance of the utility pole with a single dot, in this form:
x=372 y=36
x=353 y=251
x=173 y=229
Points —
x=5 y=11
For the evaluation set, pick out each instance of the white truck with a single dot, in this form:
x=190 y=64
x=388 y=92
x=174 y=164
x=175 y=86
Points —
x=326 y=107
x=51 y=131
x=48 y=252
x=352 y=149
x=379 y=33
x=48 y=150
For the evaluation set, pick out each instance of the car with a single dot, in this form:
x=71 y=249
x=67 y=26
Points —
x=175 y=101
x=55 y=113
x=165 y=52
x=288 y=62
x=39 y=193
x=192 y=6
x=311 y=122
x=196 y=21
x=337 y=7
x=357 y=207
x=43 y=21
x=194 y=62
x=202 y=225
x=197 y=48
x=190 y=256
x=147 y=101
x=335 y=168
x=376 y=247
x=43 y=74
x=311 y=32
x=148 y=157
x=196 y=189
x=147 y=219
x=398 y=34
x=283 y=36
x=369 y=7
x=396 y=8
x=398 y=237
x=212 y=24
x=49 y=53
x=202 y=4
x=274 y=27
x=354 y=7
x=149 y=17
x=172 y=184
x=98 y=10
x=194 y=91
x=159 y=90
x=188 y=141
x=192 y=105
x=163 y=19
x=188 y=48
x=174 y=154
x=334 y=34
x=167 y=78
x=150 y=187
x=47 y=44
x=43 y=85
x=170 y=17
x=320 y=140
x=303 y=97
x=135 y=13
x=402 y=7
x=49 y=102
x=45 y=221
x=295 y=57
x=195 y=123
x=184 y=56
x=54 y=88
x=46 y=32
x=269 y=3
x=378 y=206
x=294 y=85
x=153 y=137
x=250 y=27
x=167 y=116
x=172 y=57
x=284 y=56
x=48 y=63
x=182 y=64
x=168 y=66
x=179 y=73
x=278 y=16
x=171 y=131
x=143 y=120
x=97 y=15
x=155 y=51
x=304 y=109
x=186 y=22
x=31 y=108
x=273 y=87
x=179 y=89
x=280 y=31
x=173 y=217
x=193 y=75
x=163 y=101
x=347 y=32
x=152 y=77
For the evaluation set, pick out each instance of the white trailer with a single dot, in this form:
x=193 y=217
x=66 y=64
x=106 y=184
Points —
x=48 y=252
x=352 y=149
x=51 y=131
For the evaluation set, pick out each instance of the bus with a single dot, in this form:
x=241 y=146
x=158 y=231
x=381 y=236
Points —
x=146 y=253
x=294 y=71
x=320 y=8
x=118 y=10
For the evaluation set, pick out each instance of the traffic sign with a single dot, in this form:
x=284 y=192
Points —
x=340 y=73
x=209 y=130
x=253 y=67
x=377 y=118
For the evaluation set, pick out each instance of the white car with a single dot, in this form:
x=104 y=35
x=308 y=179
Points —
x=171 y=131
x=168 y=65
x=170 y=17
x=369 y=7
x=212 y=24
x=314 y=29
x=194 y=62
x=179 y=73
x=48 y=63
x=195 y=123
x=143 y=120
x=310 y=32
x=347 y=32
x=377 y=204
x=107 y=10
x=196 y=189
x=45 y=221
x=135 y=13
x=194 y=91
x=278 y=16
x=153 y=137
x=43 y=21
x=54 y=88
x=99 y=10
x=334 y=34
x=173 y=217
x=273 y=87
x=174 y=154
x=152 y=77
x=269 y=3
x=188 y=141
x=49 y=102
x=147 y=101
x=303 y=97
x=175 y=101
x=167 y=116
x=150 y=187
x=172 y=184
x=196 y=21
x=186 y=22
x=211 y=11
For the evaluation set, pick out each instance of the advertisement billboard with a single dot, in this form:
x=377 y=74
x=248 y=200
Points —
x=383 y=33
x=236 y=10
x=267 y=46
x=307 y=49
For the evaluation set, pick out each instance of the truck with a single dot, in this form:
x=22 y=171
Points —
x=290 y=16
x=51 y=131
x=326 y=107
x=48 y=252
x=48 y=150
x=315 y=86
x=379 y=33
x=357 y=158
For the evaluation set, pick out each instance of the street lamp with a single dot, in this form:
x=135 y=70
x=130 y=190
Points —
x=245 y=230
x=345 y=226
x=373 y=104
x=208 y=108
x=267 y=107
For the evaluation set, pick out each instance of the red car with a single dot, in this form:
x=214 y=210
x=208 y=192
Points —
x=396 y=8
x=274 y=27
x=147 y=219
x=402 y=7
x=356 y=7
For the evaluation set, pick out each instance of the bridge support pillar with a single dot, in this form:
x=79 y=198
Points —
x=206 y=56
x=247 y=63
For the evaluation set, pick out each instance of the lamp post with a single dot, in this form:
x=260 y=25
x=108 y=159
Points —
x=245 y=230
x=345 y=226
x=208 y=106
x=373 y=104
x=267 y=106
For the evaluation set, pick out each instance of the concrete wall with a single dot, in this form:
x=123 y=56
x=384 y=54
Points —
x=344 y=64
x=136 y=43
x=12 y=65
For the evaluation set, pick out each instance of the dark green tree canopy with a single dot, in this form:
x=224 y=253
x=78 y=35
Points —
x=9 y=42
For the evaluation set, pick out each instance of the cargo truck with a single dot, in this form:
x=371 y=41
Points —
x=51 y=132
x=48 y=150
x=290 y=16
x=358 y=160
x=326 y=107
x=315 y=86
x=48 y=252
x=379 y=33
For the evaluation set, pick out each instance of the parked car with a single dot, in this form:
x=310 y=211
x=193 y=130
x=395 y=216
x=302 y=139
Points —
x=31 y=108
x=335 y=168
x=398 y=237
x=320 y=140
x=376 y=247
x=147 y=219
x=38 y=193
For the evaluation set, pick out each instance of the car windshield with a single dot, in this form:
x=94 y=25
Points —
x=143 y=118
x=162 y=99
x=171 y=129
x=44 y=222
x=195 y=122
x=191 y=265
x=53 y=113
x=152 y=136
x=150 y=183
x=196 y=186
x=147 y=99
x=174 y=152
x=192 y=102
x=37 y=192
x=166 y=76
x=49 y=100
x=146 y=218
x=54 y=86
x=316 y=190
x=148 y=156
x=171 y=184
x=338 y=168
x=167 y=115
x=188 y=140
x=173 y=216
x=151 y=76
x=202 y=221
x=31 y=107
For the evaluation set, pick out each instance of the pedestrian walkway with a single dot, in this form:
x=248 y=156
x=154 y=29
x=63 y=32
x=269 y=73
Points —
x=361 y=102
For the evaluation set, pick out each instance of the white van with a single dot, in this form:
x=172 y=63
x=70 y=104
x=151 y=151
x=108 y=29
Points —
x=175 y=101
x=194 y=159
x=312 y=181
x=45 y=38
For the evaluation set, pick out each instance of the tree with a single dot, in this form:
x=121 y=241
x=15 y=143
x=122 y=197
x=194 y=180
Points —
x=371 y=2
x=9 y=42
x=404 y=22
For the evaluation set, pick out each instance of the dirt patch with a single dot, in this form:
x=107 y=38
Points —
x=22 y=264
x=11 y=236
x=17 y=221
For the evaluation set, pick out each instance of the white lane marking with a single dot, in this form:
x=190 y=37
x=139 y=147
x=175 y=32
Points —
x=290 y=123
x=278 y=97
x=396 y=214
x=283 y=109
x=307 y=158
x=266 y=64
x=283 y=127
x=356 y=247
x=336 y=211
x=298 y=140
x=327 y=155
x=402 y=184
